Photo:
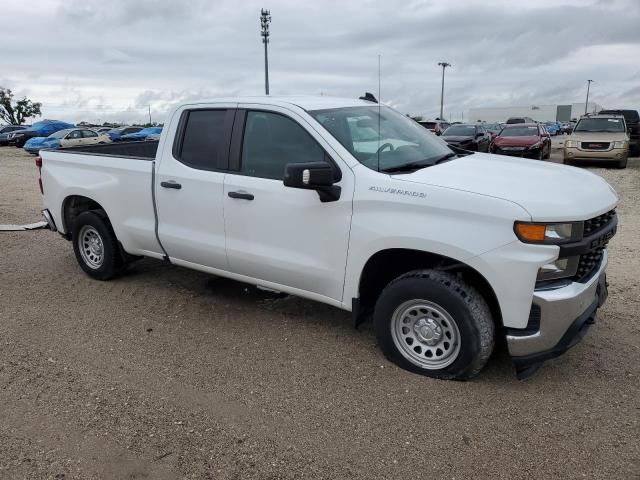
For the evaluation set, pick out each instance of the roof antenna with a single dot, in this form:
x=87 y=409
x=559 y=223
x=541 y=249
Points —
x=379 y=98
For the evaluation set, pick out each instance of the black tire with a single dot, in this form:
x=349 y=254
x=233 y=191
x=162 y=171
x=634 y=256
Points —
x=86 y=227
x=461 y=302
x=548 y=155
x=622 y=164
x=569 y=162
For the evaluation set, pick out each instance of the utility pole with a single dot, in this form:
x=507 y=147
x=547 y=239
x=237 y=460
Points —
x=443 y=65
x=265 y=20
x=149 y=114
x=586 y=104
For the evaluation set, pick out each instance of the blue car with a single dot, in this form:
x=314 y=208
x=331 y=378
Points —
x=141 y=135
x=552 y=127
x=35 y=144
x=116 y=133
x=38 y=129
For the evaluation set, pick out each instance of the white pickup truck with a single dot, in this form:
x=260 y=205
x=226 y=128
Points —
x=353 y=204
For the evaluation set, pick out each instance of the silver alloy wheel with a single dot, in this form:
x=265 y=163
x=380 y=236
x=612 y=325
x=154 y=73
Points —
x=425 y=334
x=91 y=247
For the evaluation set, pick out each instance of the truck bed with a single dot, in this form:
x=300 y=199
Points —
x=143 y=150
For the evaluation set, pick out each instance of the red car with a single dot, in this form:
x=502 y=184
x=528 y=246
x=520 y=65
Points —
x=529 y=140
x=436 y=126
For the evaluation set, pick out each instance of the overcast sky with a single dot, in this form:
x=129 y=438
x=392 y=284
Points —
x=107 y=60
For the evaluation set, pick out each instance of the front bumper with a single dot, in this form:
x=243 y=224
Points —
x=564 y=315
x=614 y=154
x=523 y=152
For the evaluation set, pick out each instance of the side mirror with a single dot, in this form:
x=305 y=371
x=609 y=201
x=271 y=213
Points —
x=318 y=176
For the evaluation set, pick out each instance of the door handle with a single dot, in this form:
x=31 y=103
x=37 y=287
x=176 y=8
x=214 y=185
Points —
x=242 y=195
x=171 y=184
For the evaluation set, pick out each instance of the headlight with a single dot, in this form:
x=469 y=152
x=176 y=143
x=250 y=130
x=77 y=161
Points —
x=561 y=268
x=571 y=143
x=619 y=144
x=549 y=233
x=535 y=145
x=16 y=135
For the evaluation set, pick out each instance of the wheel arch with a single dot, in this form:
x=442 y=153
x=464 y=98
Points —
x=385 y=265
x=74 y=205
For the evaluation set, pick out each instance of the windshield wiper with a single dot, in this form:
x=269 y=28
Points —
x=407 y=167
x=412 y=166
x=445 y=157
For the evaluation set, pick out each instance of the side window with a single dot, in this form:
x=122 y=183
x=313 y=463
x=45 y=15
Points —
x=75 y=134
x=203 y=140
x=271 y=141
x=89 y=134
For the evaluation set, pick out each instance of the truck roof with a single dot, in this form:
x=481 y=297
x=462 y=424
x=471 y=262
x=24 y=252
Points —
x=306 y=102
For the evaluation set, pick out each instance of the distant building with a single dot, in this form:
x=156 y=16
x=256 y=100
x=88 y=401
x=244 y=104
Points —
x=540 y=113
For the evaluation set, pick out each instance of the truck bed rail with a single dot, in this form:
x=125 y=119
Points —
x=143 y=150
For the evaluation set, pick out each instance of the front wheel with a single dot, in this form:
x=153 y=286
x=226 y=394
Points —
x=95 y=246
x=433 y=323
x=622 y=164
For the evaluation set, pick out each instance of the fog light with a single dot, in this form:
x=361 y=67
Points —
x=561 y=268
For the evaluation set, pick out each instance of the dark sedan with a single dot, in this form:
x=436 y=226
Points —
x=523 y=140
x=4 y=132
x=468 y=137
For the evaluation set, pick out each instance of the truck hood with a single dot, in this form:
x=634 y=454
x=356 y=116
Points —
x=598 y=136
x=457 y=138
x=549 y=192
x=516 y=141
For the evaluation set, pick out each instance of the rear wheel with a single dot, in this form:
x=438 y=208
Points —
x=432 y=323
x=95 y=246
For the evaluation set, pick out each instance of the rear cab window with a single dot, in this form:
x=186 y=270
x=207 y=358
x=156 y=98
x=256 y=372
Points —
x=203 y=138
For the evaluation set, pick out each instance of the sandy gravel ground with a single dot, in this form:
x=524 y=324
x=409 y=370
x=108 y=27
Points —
x=169 y=373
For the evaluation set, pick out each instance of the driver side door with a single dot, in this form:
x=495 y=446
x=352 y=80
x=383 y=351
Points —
x=284 y=236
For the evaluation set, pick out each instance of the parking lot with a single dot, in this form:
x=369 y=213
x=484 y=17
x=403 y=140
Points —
x=171 y=373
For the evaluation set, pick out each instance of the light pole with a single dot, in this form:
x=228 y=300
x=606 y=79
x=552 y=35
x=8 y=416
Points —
x=586 y=104
x=443 y=65
x=265 y=20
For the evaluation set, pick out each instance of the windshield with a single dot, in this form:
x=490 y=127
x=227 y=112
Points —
x=59 y=134
x=460 y=130
x=611 y=125
x=492 y=127
x=520 y=131
x=381 y=138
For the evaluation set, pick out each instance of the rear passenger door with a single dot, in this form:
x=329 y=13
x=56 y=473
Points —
x=89 y=137
x=189 y=186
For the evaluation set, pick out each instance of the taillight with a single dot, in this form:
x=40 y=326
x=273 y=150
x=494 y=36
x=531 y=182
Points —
x=39 y=165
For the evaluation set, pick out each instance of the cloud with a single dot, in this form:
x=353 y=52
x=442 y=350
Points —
x=90 y=59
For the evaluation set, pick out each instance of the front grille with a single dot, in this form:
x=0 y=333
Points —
x=595 y=145
x=589 y=262
x=596 y=224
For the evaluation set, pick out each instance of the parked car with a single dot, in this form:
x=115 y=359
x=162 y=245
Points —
x=116 y=133
x=467 y=136
x=436 y=126
x=523 y=140
x=513 y=120
x=66 y=138
x=43 y=128
x=552 y=127
x=632 y=119
x=6 y=130
x=103 y=129
x=598 y=137
x=153 y=137
x=447 y=251
x=140 y=135
x=492 y=128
